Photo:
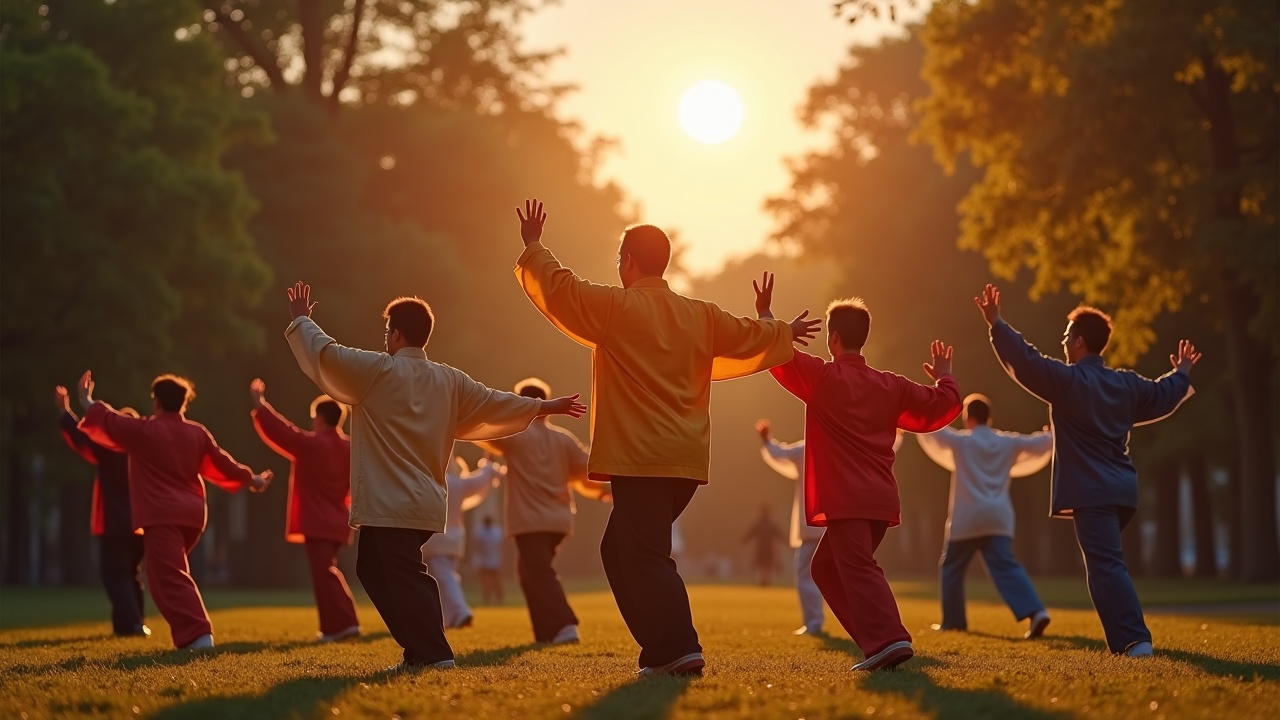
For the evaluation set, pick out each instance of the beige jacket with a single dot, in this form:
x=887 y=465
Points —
x=545 y=464
x=406 y=413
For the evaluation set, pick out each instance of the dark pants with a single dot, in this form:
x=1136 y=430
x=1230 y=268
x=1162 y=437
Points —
x=334 y=603
x=636 y=550
x=845 y=569
x=548 y=607
x=389 y=565
x=1110 y=587
x=1006 y=573
x=121 y=561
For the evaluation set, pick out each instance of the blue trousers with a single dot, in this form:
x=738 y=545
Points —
x=810 y=595
x=1110 y=587
x=1005 y=571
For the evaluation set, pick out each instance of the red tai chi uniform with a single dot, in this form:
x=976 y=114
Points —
x=852 y=413
x=168 y=457
x=319 y=508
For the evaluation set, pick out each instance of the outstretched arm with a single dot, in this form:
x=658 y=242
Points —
x=275 y=430
x=218 y=467
x=1042 y=376
x=938 y=447
x=1158 y=399
x=102 y=423
x=1034 y=452
x=67 y=424
x=786 y=460
x=343 y=373
x=926 y=409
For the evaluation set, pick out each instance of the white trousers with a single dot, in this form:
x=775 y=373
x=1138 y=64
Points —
x=444 y=568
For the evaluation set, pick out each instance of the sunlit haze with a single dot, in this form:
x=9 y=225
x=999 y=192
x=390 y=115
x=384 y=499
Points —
x=710 y=112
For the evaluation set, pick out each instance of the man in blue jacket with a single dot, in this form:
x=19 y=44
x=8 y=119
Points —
x=1092 y=408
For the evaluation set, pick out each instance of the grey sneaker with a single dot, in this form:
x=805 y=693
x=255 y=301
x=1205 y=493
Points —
x=1039 y=622
x=888 y=658
x=351 y=632
x=567 y=636
x=1140 y=650
x=691 y=664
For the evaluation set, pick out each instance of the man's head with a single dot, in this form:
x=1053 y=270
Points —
x=171 y=393
x=848 y=324
x=977 y=411
x=409 y=323
x=1088 y=332
x=645 y=252
x=533 y=388
x=327 y=413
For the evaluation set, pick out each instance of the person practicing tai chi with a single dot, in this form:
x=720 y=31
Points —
x=980 y=513
x=406 y=414
x=319 y=500
x=170 y=457
x=762 y=539
x=546 y=464
x=486 y=554
x=852 y=415
x=654 y=356
x=1092 y=409
x=119 y=549
x=441 y=554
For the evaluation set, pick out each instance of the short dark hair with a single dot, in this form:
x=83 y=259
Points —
x=329 y=410
x=978 y=408
x=173 y=392
x=851 y=320
x=412 y=316
x=533 y=388
x=1093 y=325
x=649 y=246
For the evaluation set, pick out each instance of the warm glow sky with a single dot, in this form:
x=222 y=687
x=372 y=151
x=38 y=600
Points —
x=633 y=59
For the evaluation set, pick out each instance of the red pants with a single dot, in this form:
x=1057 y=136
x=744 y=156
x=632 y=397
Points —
x=333 y=598
x=169 y=580
x=845 y=570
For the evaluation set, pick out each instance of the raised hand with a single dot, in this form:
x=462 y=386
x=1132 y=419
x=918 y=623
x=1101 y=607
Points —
x=61 y=399
x=762 y=427
x=531 y=221
x=941 y=358
x=989 y=304
x=84 y=388
x=568 y=405
x=261 y=481
x=300 y=304
x=257 y=389
x=764 y=295
x=802 y=331
x=1186 y=358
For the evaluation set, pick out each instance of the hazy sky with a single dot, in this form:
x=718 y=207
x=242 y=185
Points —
x=633 y=59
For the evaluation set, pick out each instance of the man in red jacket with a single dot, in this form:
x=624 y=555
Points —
x=319 y=507
x=169 y=459
x=852 y=415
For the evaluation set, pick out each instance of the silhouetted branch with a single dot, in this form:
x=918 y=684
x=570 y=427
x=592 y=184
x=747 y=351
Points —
x=343 y=75
x=262 y=57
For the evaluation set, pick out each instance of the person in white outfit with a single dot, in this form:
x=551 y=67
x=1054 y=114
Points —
x=441 y=553
x=487 y=557
x=980 y=514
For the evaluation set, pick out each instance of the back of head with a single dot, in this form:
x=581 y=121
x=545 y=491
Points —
x=172 y=392
x=328 y=410
x=412 y=316
x=1093 y=326
x=533 y=388
x=649 y=247
x=851 y=321
x=978 y=409
x=129 y=412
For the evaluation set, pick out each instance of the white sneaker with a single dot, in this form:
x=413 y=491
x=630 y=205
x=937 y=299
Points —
x=1039 y=622
x=567 y=636
x=1140 y=650
x=351 y=632
x=204 y=642
x=888 y=658
x=807 y=630
x=691 y=664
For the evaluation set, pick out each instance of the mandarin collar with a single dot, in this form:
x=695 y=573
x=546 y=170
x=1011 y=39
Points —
x=412 y=352
x=851 y=358
x=1092 y=359
x=650 y=282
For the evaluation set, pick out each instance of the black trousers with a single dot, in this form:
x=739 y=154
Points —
x=636 y=550
x=389 y=565
x=548 y=607
x=120 y=564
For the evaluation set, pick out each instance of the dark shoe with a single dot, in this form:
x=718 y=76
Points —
x=687 y=666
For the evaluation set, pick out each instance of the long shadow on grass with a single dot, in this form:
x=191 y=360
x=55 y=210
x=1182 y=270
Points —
x=913 y=684
x=175 y=658
x=648 y=697
x=493 y=656
x=1206 y=663
x=302 y=697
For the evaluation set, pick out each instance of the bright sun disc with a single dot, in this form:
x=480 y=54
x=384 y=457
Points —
x=710 y=112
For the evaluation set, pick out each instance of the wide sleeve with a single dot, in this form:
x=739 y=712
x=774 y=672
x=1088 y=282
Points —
x=925 y=408
x=497 y=446
x=218 y=467
x=75 y=437
x=484 y=413
x=108 y=428
x=743 y=346
x=783 y=459
x=475 y=485
x=799 y=375
x=580 y=309
x=343 y=373
x=277 y=432
x=1156 y=400
x=1045 y=377
x=940 y=447
x=1034 y=452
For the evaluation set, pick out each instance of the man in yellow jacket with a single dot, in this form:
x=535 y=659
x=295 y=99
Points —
x=654 y=355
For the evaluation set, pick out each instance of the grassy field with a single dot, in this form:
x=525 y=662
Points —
x=56 y=660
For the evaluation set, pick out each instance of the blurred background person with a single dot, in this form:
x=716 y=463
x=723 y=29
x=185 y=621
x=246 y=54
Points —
x=488 y=560
x=467 y=489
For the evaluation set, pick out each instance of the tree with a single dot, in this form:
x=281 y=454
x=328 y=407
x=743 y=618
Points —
x=1128 y=154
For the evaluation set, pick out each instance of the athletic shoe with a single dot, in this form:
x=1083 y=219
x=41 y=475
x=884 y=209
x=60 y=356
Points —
x=691 y=664
x=140 y=631
x=1140 y=650
x=888 y=658
x=406 y=667
x=567 y=636
x=1039 y=622
x=204 y=642
x=807 y=630
x=351 y=632
x=938 y=627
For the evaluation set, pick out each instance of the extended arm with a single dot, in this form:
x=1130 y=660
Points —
x=343 y=373
x=1034 y=452
x=68 y=425
x=939 y=447
x=1158 y=399
x=275 y=430
x=102 y=423
x=926 y=409
x=218 y=467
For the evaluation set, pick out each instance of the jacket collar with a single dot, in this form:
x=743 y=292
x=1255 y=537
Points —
x=1092 y=359
x=650 y=282
x=851 y=358
x=412 y=352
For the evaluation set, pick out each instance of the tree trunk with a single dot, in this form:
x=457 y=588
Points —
x=1166 y=559
x=17 y=526
x=1202 y=517
x=1235 y=536
x=311 y=20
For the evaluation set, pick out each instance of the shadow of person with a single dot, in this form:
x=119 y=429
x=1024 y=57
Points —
x=913 y=684
x=643 y=697
x=302 y=697
x=1208 y=664
x=177 y=657
x=493 y=656
x=54 y=642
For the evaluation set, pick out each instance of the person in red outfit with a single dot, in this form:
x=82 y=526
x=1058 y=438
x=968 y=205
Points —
x=319 y=507
x=852 y=414
x=170 y=457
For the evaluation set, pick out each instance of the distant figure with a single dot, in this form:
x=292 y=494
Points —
x=488 y=560
x=170 y=458
x=548 y=465
x=442 y=552
x=318 y=512
x=407 y=412
x=980 y=512
x=120 y=550
x=654 y=355
x=1092 y=409
x=852 y=415
x=763 y=538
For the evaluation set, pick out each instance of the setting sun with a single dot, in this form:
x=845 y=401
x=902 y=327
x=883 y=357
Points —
x=711 y=112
